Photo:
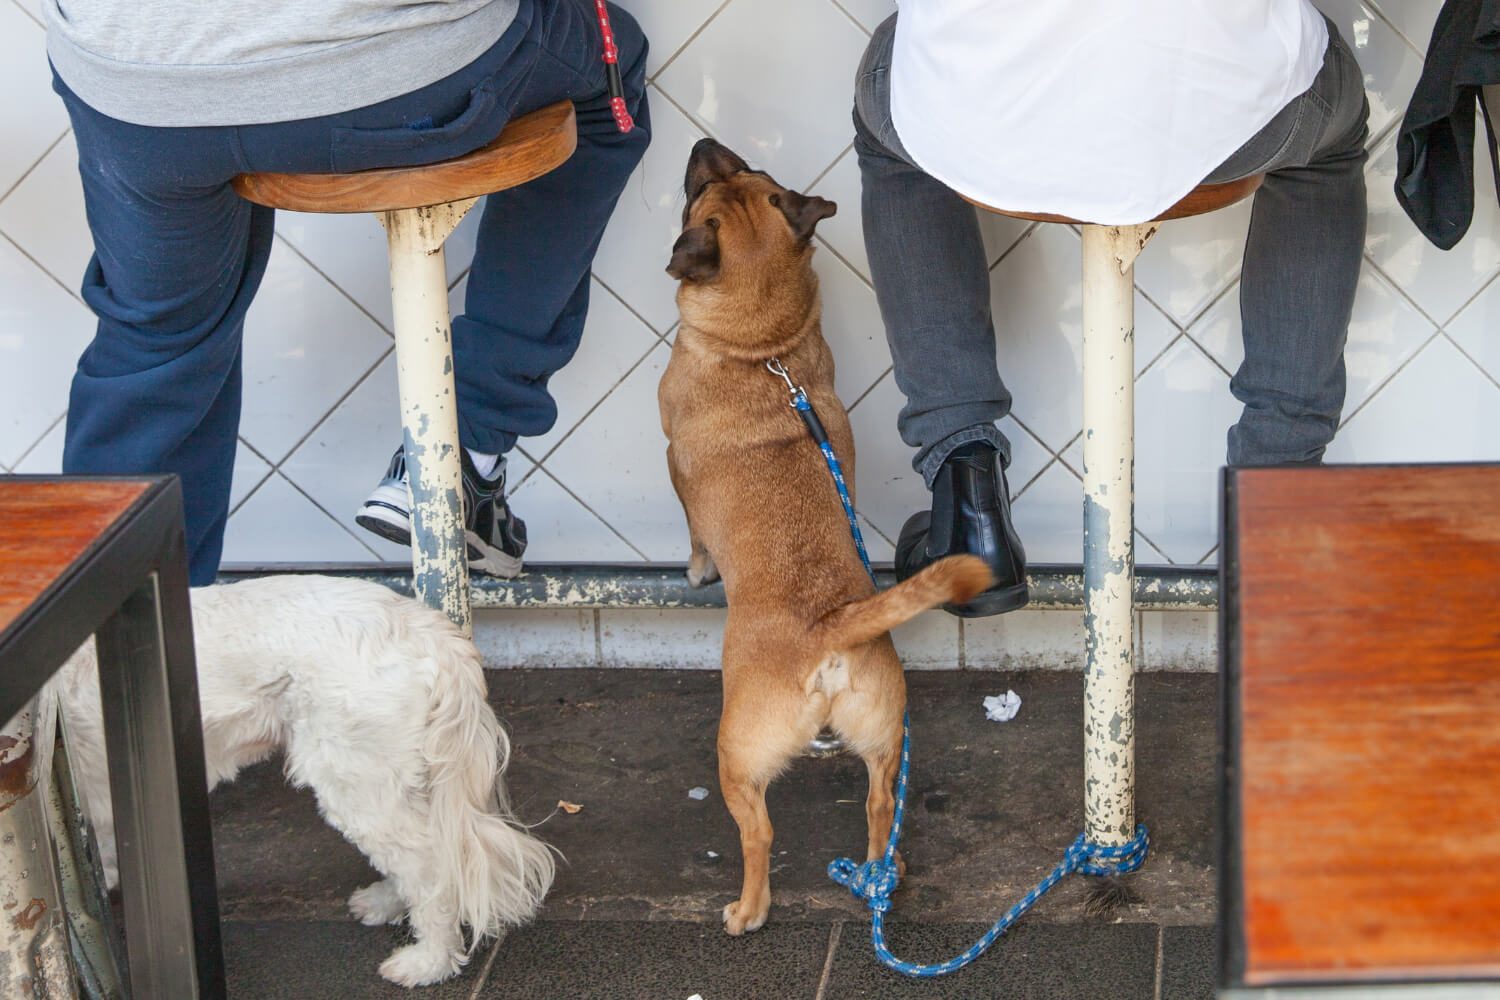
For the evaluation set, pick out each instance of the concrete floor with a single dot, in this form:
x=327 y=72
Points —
x=634 y=912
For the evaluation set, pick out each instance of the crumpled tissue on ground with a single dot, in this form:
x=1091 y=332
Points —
x=1002 y=707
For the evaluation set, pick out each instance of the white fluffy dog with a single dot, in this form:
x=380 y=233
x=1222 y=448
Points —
x=379 y=703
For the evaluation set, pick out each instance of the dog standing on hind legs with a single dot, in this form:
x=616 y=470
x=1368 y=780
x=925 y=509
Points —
x=379 y=704
x=806 y=642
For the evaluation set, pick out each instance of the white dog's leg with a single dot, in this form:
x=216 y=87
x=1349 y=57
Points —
x=438 y=951
x=378 y=904
x=395 y=837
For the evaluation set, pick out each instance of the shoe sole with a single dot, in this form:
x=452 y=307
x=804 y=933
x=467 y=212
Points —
x=483 y=558
x=992 y=602
x=382 y=521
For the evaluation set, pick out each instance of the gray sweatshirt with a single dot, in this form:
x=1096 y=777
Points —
x=246 y=62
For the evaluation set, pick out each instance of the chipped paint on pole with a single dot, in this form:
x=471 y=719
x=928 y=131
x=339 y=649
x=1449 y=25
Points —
x=34 y=959
x=429 y=404
x=1109 y=254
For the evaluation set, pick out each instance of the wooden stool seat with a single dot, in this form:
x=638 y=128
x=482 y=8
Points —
x=527 y=148
x=1200 y=200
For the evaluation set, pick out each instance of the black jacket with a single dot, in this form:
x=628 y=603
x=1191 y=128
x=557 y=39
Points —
x=1435 y=149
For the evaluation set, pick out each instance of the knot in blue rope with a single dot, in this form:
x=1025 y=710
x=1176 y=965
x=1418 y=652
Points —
x=1096 y=859
x=873 y=881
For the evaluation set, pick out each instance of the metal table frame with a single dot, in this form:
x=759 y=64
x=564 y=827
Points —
x=130 y=591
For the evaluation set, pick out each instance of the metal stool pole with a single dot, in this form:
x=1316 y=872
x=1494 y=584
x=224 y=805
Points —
x=429 y=404
x=1109 y=254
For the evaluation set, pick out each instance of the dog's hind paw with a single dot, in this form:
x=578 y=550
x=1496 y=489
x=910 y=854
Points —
x=701 y=570
x=420 y=965
x=740 y=919
x=377 y=905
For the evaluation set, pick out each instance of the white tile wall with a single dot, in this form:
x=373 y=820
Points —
x=690 y=640
x=31 y=115
x=1025 y=640
x=677 y=638
x=1177 y=640
x=42 y=331
x=536 y=638
x=320 y=410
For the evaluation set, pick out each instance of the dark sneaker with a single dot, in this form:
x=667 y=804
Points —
x=970 y=513
x=496 y=537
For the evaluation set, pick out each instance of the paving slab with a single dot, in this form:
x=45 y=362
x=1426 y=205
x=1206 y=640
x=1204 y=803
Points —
x=1031 y=962
x=1189 y=968
x=324 y=959
x=623 y=960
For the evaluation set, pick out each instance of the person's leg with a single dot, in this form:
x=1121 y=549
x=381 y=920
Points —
x=928 y=265
x=179 y=257
x=528 y=291
x=1302 y=264
x=927 y=262
x=177 y=260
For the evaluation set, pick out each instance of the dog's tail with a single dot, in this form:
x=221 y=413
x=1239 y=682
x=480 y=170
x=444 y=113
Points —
x=954 y=579
x=497 y=871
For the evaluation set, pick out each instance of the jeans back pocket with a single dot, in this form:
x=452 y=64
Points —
x=354 y=149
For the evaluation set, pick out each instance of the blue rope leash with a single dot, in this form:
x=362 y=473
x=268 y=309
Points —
x=809 y=416
x=875 y=881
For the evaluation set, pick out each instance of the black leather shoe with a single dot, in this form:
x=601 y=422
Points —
x=970 y=514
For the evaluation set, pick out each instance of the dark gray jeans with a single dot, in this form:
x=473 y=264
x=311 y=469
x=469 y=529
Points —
x=1301 y=268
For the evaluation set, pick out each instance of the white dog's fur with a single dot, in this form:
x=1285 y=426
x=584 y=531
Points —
x=379 y=703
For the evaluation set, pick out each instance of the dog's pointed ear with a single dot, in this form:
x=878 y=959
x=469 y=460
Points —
x=695 y=255
x=803 y=213
x=710 y=161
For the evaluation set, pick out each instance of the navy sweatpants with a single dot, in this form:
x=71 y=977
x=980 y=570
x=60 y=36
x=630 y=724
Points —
x=178 y=255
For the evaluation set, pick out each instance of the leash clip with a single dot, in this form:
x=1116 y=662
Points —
x=775 y=367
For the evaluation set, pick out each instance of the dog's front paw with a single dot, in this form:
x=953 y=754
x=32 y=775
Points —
x=377 y=905
x=701 y=570
x=740 y=918
x=420 y=965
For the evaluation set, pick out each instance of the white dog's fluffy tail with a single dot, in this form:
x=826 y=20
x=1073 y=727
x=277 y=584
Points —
x=496 y=871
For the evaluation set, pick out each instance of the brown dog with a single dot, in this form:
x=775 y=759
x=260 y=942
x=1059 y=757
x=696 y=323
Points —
x=806 y=644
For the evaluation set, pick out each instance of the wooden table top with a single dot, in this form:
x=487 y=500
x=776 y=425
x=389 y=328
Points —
x=1368 y=695
x=46 y=526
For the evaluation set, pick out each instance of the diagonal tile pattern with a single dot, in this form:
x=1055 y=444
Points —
x=320 y=412
x=31 y=116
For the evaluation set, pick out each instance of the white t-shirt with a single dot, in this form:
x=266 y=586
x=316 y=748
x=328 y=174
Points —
x=1108 y=112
